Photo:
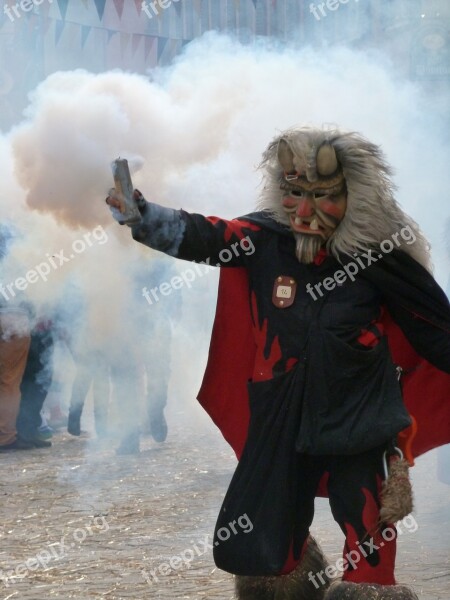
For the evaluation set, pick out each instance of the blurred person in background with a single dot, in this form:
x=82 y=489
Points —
x=15 y=318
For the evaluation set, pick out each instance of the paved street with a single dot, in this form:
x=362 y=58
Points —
x=79 y=522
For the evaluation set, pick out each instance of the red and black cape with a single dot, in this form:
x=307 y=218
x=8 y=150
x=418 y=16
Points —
x=417 y=323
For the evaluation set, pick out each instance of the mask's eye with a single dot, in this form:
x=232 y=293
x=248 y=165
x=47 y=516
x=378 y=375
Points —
x=320 y=196
x=296 y=193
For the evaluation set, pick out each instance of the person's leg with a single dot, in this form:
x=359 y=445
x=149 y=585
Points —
x=125 y=392
x=13 y=358
x=80 y=388
x=101 y=391
x=36 y=382
x=354 y=487
x=157 y=368
x=303 y=576
x=157 y=384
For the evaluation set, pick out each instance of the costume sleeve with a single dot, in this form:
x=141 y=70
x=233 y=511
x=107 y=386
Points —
x=416 y=303
x=429 y=341
x=196 y=238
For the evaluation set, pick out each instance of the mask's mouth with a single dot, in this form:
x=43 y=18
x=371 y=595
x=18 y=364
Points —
x=310 y=226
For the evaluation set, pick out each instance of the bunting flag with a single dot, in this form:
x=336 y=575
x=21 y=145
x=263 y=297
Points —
x=135 y=42
x=254 y=3
x=63 y=7
x=110 y=35
x=119 y=7
x=59 y=28
x=85 y=29
x=138 y=4
x=100 y=6
x=179 y=8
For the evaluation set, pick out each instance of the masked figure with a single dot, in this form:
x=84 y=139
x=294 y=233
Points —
x=330 y=348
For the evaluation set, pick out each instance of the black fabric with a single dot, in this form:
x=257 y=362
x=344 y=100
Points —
x=274 y=488
x=414 y=299
x=416 y=303
x=348 y=391
x=265 y=482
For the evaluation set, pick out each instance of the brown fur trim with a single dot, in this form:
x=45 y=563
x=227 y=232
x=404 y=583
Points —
x=369 y=591
x=396 y=493
x=294 y=586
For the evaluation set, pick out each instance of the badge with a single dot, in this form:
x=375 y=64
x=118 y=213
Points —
x=284 y=291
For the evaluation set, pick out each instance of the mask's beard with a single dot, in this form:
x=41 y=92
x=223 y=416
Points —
x=307 y=247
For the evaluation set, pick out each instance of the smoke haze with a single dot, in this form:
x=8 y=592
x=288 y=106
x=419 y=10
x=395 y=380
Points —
x=194 y=133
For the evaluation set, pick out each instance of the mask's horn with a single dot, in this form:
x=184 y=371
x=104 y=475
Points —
x=327 y=162
x=286 y=156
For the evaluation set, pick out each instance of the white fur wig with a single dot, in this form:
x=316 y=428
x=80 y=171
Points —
x=373 y=215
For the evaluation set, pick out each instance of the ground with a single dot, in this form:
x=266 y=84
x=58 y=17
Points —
x=79 y=522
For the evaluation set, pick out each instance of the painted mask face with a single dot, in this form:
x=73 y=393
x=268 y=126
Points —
x=315 y=195
x=315 y=213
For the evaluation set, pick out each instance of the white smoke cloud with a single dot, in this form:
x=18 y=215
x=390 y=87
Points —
x=195 y=133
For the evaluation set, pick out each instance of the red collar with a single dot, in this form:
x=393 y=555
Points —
x=320 y=256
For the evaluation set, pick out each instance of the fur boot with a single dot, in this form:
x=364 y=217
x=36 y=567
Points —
x=342 y=590
x=293 y=586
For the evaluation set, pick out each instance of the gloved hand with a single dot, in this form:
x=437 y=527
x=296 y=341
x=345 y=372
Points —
x=117 y=206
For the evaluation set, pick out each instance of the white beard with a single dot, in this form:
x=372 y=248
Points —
x=307 y=247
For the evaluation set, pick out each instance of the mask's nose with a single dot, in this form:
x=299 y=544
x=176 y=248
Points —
x=305 y=207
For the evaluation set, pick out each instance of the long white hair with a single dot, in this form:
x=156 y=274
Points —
x=372 y=216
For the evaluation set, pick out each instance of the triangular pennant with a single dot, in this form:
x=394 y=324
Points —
x=179 y=8
x=110 y=35
x=85 y=29
x=135 y=43
x=119 y=7
x=149 y=43
x=100 y=6
x=63 y=7
x=59 y=28
x=255 y=2
x=139 y=4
